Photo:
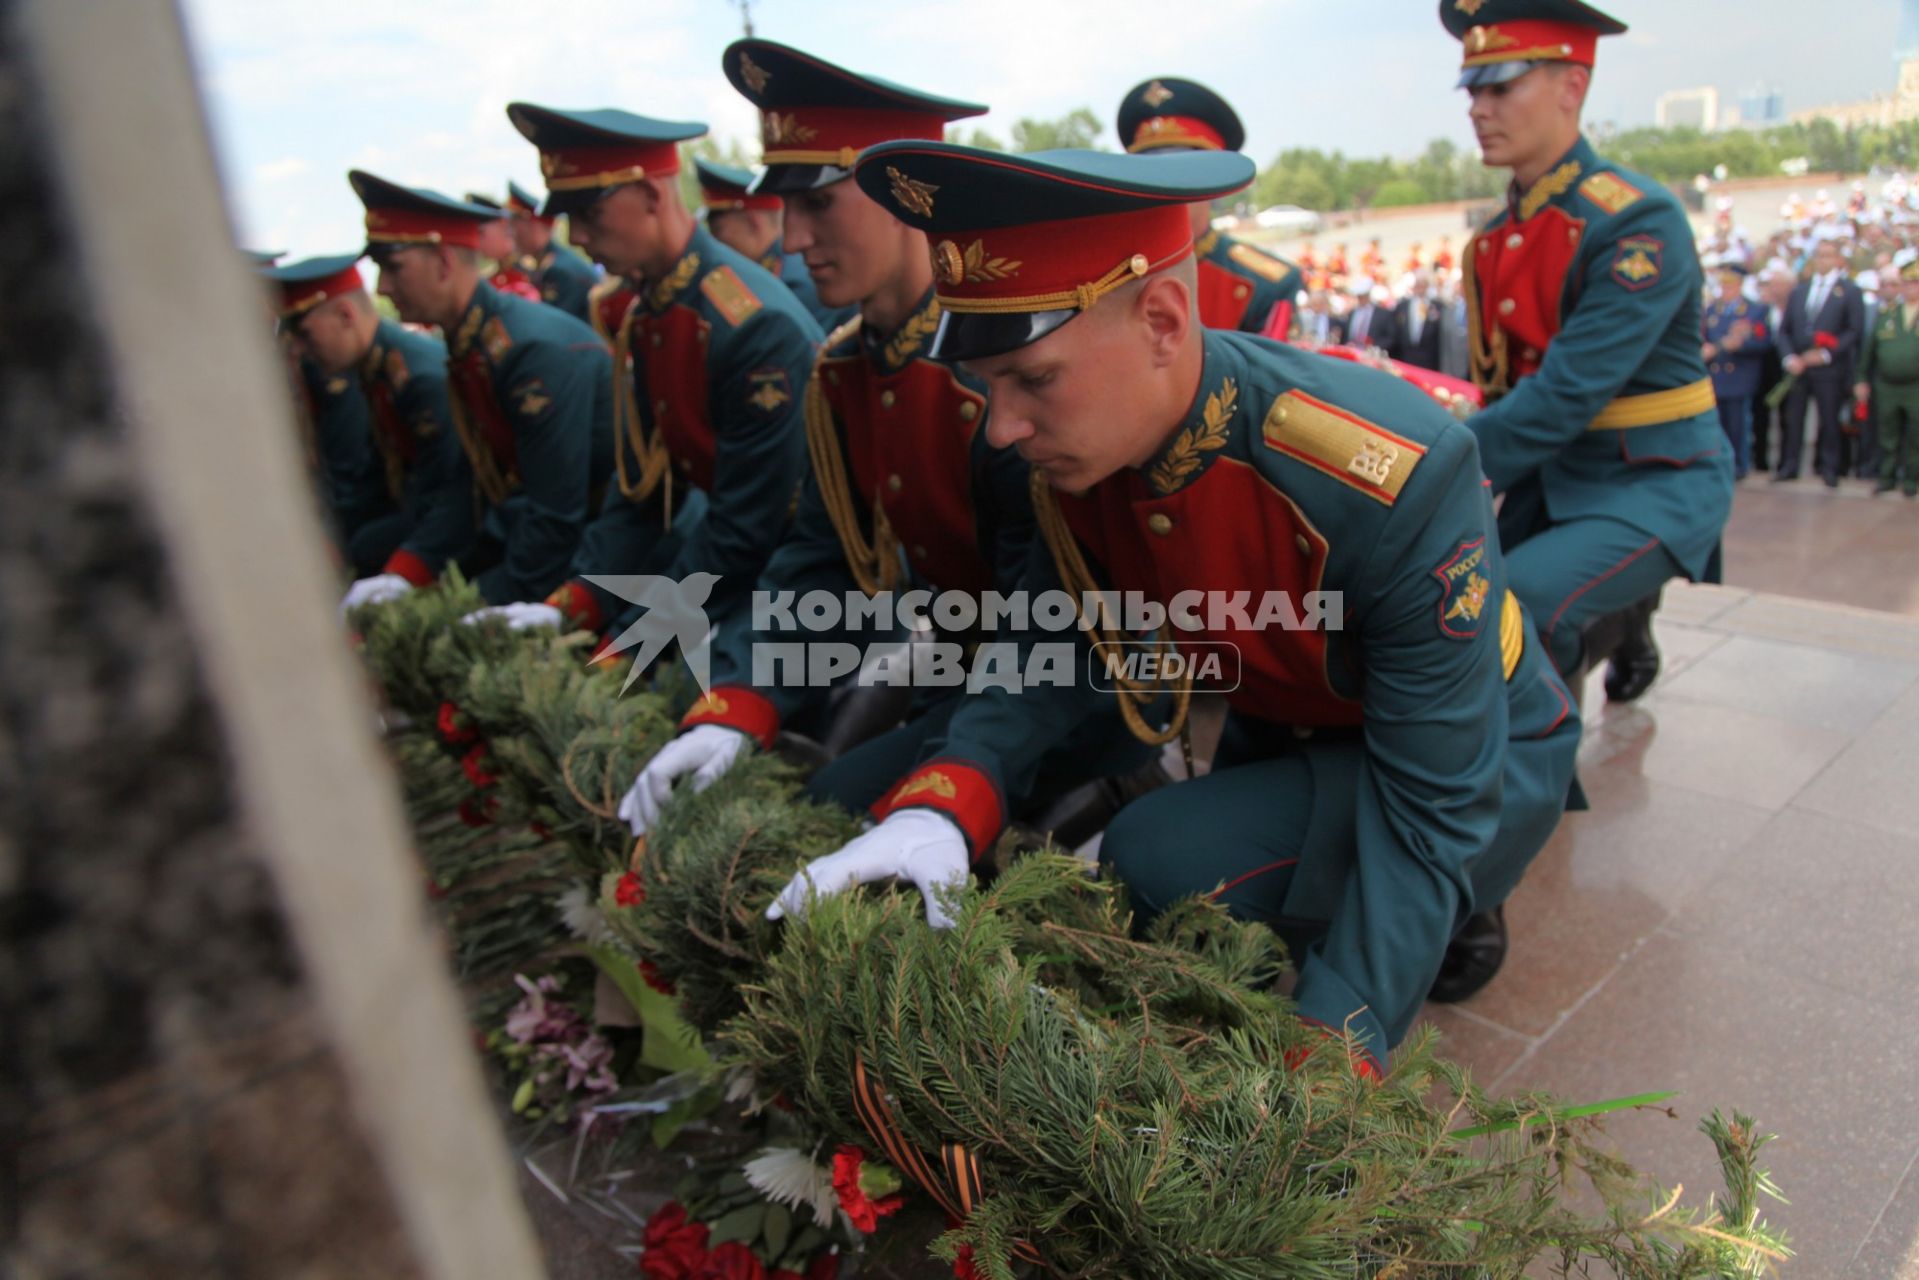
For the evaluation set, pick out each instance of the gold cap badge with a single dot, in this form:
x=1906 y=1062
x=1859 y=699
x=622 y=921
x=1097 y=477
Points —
x=949 y=264
x=914 y=197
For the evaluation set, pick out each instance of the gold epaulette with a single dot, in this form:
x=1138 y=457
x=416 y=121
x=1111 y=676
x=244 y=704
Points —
x=729 y=295
x=1263 y=265
x=1353 y=451
x=1609 y=191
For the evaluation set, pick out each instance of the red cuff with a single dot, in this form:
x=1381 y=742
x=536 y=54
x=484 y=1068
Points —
x=410 y=567
x=957 y=789
x=737 y=707
x=1364 y=1063
x=579 y=606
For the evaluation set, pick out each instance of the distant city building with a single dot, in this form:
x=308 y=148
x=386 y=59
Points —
x=1760 y=107
x=1693 y=108
x=1881 y=109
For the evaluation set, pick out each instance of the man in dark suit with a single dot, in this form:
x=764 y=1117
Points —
x=1775 y=287
x=1368 y=324
x=1416 y=326
x=1817 y=344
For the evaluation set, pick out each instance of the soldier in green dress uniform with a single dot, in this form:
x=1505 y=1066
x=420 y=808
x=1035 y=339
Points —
x=713 y=354
x=530 y=386
x=1583 y=307
x=1395 y=753
x=1241 y=286
x=1889 y=380
x=327 y=315
x=563 y=278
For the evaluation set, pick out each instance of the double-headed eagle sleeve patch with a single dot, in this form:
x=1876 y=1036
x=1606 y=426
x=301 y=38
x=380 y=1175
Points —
x=1636 y=262
x=1463 y=587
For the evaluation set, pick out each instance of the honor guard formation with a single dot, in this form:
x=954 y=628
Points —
x=1081 y=436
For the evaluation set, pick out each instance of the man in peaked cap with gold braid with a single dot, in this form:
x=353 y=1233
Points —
x=326 y=314
x=1392 y=761
x=1240 y=286
x=905 y=491
x=714 y=353
x=529 y=385
x=749 y=221
x=1583 y=308
x=563 y=278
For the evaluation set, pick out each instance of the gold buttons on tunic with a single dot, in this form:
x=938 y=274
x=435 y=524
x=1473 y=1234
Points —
x=1240 y=291
x=1278 y=416
x=1507 y=306
x=1305 y=547
x=1515 y=240
x=886 y=399
x=894 y=483
x=968 y=411
x=1159 y=522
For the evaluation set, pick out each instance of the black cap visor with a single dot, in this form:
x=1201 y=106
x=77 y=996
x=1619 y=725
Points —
x=1493 y=73
x=791 y=179
x=966 y=335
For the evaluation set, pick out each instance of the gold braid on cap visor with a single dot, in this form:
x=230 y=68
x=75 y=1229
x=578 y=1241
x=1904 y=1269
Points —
x=1078 y=298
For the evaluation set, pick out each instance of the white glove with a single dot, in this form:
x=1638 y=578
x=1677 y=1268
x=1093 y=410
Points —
x=706 y=751
x=378 y=589
x=912 y=844
x=518 y=617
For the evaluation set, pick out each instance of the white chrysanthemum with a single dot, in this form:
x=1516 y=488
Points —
x=789 y=1176
x=583 y=917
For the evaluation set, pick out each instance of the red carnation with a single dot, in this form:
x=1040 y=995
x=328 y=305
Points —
x=541 y=830
x=1759 y=332
x=674 y=1248
x=650 y=975
x=1826 y=341
x=867 y=1191
x=731 y=1261
x=964 y=1268
x=455 y=729
x=474 y=763
x=629 y=892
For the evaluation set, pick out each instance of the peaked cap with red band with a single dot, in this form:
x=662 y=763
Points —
x=1171 y=114
x=815 y=118
x=397 y=215
x=520 y=202
x=1502 y=40
x=1022 y=244
x=582 y=153
x=723 y=188
x=304 y=285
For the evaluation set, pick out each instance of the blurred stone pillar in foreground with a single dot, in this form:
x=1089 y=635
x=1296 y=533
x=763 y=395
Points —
x=229 y=1046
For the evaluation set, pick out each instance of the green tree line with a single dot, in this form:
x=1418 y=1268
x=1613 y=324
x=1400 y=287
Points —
x=1327 y=181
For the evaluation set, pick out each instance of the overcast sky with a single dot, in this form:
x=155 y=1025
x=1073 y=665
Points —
x=300 y=91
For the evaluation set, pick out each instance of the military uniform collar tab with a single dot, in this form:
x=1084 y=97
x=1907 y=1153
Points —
x=1207 y=243
x=1557 y=181
x=483 y=303
x=774 y=259
x=896 y=350
x=1205 y=430
x=662 y=293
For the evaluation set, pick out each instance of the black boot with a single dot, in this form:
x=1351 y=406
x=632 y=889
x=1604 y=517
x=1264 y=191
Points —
x=1635 y=663
x=1472 y=957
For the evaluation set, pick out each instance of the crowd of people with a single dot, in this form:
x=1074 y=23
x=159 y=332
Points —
x=1804 y=331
